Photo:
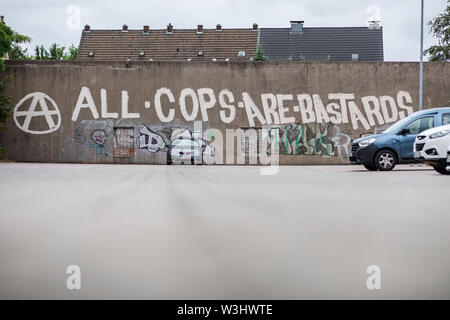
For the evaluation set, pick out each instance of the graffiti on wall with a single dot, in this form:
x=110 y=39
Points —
x=314 y=139
x=341 y=142
x=150 y=140
x=267 y=109
x=111 y=139
x=160 y=138
x=302 y=124
x=34 y=107
x=123 y=145
x=99 y=139
x=89 y=139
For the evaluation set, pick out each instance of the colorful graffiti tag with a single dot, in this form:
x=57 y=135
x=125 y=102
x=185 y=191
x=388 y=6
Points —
x=315 y=139
x=88 y=136
x=99 y=138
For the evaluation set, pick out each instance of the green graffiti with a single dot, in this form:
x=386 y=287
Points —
x=301 y=139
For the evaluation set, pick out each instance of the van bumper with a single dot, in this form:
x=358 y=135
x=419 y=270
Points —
x=363 y=155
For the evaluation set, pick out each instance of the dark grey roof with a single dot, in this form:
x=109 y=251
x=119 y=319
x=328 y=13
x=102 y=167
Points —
x=322 y=44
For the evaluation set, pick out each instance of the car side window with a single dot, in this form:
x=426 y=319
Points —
x=421 y=124
x=446 y=118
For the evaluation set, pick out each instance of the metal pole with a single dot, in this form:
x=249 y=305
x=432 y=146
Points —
x=421 y=62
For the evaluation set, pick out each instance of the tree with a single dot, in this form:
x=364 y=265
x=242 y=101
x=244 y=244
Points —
x=5 y=109
x=18 y=53
x=56 y=52
x=440 y=28
x=10 y=42
x=6 y=41
x=72 y=54
x=9 y=46
x=260 y=54
x=40 y=53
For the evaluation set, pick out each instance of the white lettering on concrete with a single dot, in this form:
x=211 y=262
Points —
x=160 y=92
x=125 y=113
x=188 y=92
x=104 y=106
x=224 y=105
x=85 y=94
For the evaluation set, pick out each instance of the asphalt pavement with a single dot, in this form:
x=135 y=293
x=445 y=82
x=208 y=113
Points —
x=223 y=232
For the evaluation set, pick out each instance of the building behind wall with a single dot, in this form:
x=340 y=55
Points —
x=168 y=44
x=295 y=43
x=299 y=43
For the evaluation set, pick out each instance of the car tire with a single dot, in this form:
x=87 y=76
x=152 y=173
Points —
x=370 y=167
x=385 y=160
x=441 y=168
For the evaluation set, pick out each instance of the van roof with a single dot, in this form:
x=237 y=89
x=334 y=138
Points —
x=433 y=110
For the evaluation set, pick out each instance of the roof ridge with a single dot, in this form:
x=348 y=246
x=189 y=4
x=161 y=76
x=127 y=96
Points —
x=184 y=29
x=287 y=28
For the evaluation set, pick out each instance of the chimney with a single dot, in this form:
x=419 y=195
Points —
x=200 y=29
x=124 y=28
x=255 y=27
x=374 y=25
x=2 y=19
x=218 y=27
x=87 y=28
x=297 y=26
x=146 y=29
x=169 y=28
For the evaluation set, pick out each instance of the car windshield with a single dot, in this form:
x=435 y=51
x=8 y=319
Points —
x=399 y=124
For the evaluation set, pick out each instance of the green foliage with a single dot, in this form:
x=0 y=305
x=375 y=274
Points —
x=18 y=53
x=2 y=153
x=40 y=53
x=6 y=41
x=440 y=28
x=9 y=44
x=6 y=110
x=5 y=103
x=72 y=54
x=259 y=54
x=10 y=48
x=20 y=39
x=55 y=52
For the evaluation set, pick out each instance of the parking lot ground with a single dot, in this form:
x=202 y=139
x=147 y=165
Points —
x=223 y=232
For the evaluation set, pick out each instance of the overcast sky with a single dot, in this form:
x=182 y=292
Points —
x=47 y=21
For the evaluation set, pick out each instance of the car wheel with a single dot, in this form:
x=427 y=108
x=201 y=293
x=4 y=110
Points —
x=441 y=168
x=370 y=167
x=385 y=160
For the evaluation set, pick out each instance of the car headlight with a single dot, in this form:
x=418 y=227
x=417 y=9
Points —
x=439 y=134
x=366 y=142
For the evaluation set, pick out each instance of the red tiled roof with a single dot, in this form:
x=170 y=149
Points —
x=182 y=44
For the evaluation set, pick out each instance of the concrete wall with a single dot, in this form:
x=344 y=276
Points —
x=79 y=112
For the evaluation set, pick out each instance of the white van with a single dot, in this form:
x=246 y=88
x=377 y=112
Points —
x=432 y=146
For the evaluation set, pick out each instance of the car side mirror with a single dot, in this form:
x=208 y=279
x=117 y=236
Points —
x=404 y=131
